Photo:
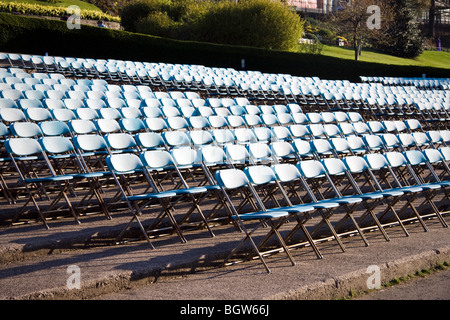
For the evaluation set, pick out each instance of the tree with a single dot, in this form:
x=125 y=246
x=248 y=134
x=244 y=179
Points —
x=404 y=37
x=362 y=21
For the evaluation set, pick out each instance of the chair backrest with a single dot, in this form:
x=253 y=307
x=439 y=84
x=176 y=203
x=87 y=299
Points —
x=355 y=164
x=415 y=157
x=177 y=123
x=236 y=152
x=433 y=155
x=64 y=115
x=152 y=112
x=406 y=139
x=176 y=138
x=198 y=122
x=90 y=142
x=120 y=141
x=201 y=137
x=12 y=114
x=56 y=144
x=334 y=166
x=54 y=128
x=302 y=147
x=321 y=146
x=86 y=113
x=23 y=146
x=299 y=130
x=223 y=136
x=131 y=124
x=316 y=130
x=123 y=163
x=81 y=126
x=25 y=129
x=286 y=172
x=149 y=140
x=185 y=156
x=376 y=161
x=211 y=155
x=259 y=151
x=282 y=149
x=156 y=159
x=260 y=174
x=396 y=159
x=231 y=178
x=156 y=124
x=311 y=169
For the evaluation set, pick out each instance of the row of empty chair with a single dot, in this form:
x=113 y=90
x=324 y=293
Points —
x=439 y=83
x=241 y=158
x=218 y=173
x=302 y=90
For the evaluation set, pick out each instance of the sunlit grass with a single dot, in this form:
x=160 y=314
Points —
x=63 y=3
x=426 y=59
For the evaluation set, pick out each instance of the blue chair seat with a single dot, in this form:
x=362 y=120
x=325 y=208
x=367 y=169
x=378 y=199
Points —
x=392 y=193
x=431 y=186
x=325 y=204
x=192 y=190
x=299 y=208
x=445 y=183
x=371 y=195
x=89 y=175
x=160 y=195
x=270 y=214
x=49 y=179
x=213 y=187
x=347 y=199
x=413 y=189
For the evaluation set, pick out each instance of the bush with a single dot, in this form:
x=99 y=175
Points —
x=259 y=23
x=136 y=11
x=158 y=24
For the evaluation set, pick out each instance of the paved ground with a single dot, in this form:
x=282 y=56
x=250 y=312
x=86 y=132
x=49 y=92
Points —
x=36 y=263
x=435 y=286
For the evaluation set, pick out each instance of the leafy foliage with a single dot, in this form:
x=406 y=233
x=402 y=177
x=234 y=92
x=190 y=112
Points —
x=259 y=23
x=403 y=37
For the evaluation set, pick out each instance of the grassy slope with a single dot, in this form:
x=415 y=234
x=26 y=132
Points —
x=426 y=59
x=62 y=3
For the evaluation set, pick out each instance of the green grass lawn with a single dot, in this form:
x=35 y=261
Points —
x=426 y=59
x=63 y=3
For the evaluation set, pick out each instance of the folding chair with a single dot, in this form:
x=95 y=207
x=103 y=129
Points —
x=233 y=180
x=420 y=162
x=39 y=180
x=270 y=181
x=66 y=161
x=166 y=175
x=389 y=168
x=123 y=168
x=316 y=180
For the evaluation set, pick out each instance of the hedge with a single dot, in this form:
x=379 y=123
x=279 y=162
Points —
x=52 y=11
x=37 y=36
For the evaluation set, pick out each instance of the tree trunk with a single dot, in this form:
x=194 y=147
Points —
x=431 y=18
x=357 y=45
